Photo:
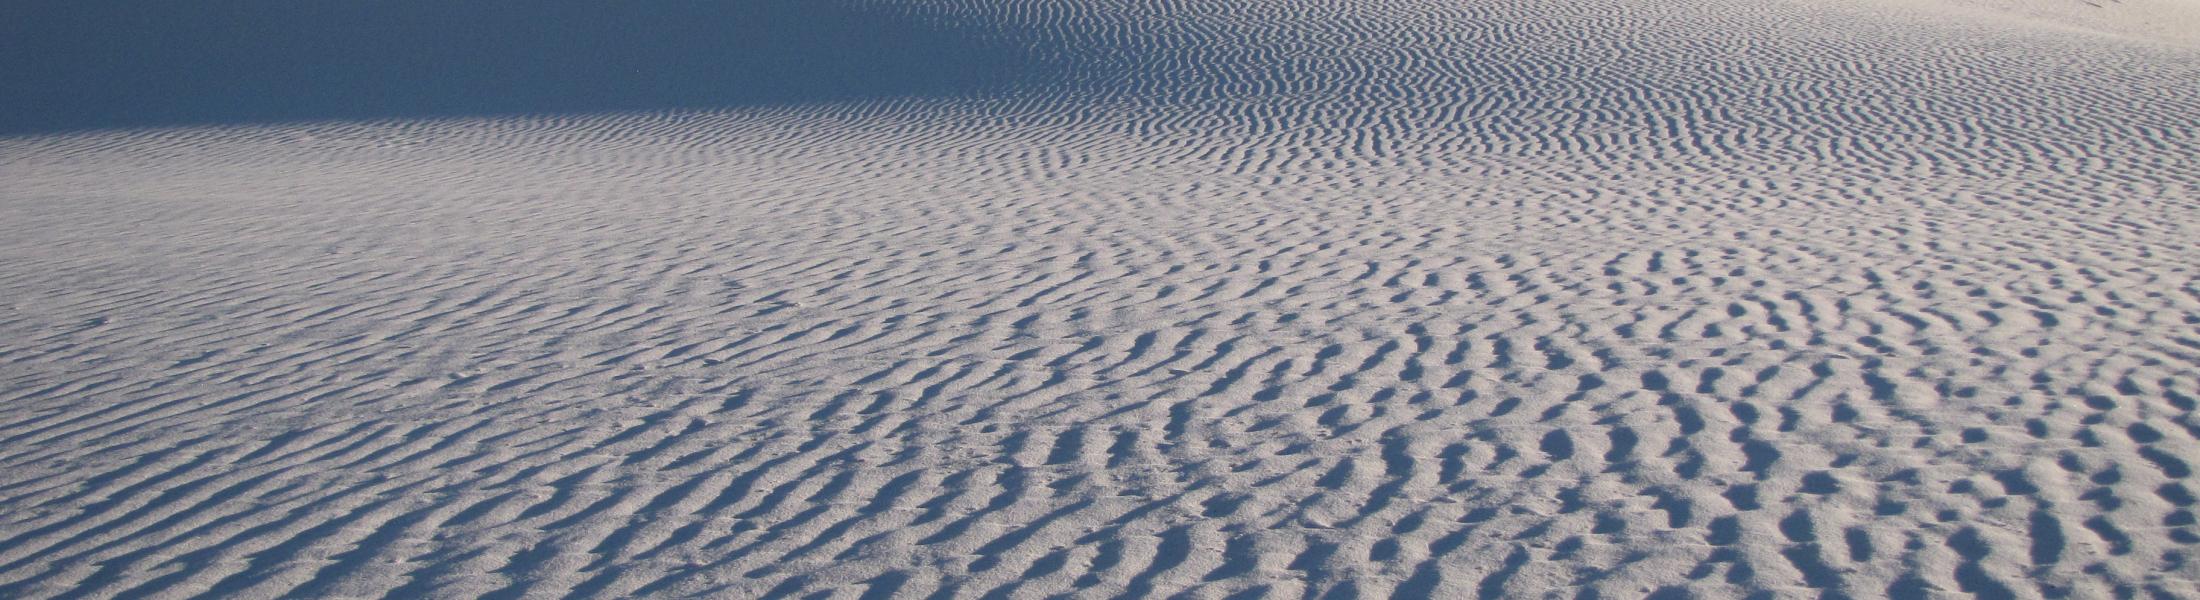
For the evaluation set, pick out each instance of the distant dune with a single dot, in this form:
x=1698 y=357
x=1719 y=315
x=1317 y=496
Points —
x=2174 y=22
x=86 y=65
x=1118 y=298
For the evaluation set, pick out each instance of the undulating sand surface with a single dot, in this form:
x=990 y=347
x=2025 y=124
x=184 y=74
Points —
x=1418 y=298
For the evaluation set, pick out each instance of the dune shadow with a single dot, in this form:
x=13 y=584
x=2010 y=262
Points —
x=131 y=63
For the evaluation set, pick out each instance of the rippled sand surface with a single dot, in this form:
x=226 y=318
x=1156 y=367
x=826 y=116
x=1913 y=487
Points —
x=1339 y=298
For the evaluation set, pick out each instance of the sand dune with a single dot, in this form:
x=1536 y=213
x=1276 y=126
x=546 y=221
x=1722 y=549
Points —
x=1223 y=299
x=2174 y=22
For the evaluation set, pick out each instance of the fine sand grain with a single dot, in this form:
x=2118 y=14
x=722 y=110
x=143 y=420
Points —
x=1350 y=298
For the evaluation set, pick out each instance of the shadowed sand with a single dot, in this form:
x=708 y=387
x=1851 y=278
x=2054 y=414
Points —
x=94 y=65
x=1357 y=298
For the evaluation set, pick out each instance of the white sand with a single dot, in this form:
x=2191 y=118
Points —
x=2174 y=22
x=1709 y=298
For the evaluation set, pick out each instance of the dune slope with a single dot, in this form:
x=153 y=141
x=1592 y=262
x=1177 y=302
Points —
x=1344 y=298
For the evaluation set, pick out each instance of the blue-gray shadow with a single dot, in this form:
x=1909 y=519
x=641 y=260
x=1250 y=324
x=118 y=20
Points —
x=94 y=64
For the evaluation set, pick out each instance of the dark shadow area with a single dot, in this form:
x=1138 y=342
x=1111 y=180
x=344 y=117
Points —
x=73 y=65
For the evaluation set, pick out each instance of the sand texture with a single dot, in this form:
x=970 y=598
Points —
x=1335 y=298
